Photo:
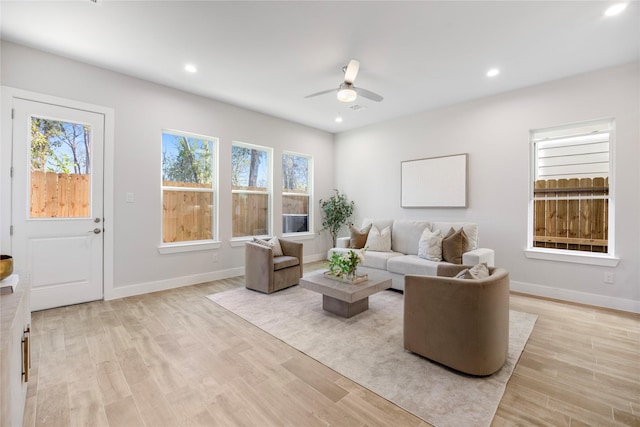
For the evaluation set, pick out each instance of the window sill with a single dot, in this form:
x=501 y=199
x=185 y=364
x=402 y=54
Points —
x=175 y=248
x=575 y=257
x=240 y=241
x=299 y=236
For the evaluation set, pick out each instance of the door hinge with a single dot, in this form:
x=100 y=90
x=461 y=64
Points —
x=11 y=230
x=11 y=172
x=12 y=112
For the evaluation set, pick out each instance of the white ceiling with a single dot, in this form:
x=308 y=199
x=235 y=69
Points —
x=267 y=56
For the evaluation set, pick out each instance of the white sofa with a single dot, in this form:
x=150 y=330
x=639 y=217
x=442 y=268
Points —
x=403 y=257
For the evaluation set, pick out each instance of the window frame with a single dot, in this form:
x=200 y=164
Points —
x=239 y=240
x=569 y=255
x=193 y=245
x=309 y=193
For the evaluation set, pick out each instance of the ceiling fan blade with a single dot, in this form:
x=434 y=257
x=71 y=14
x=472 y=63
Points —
x=368 y=94
x=321 y=93
x=351 y=71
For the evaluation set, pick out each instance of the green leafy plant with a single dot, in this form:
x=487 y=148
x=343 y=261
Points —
x=345 y=265
x=336 y=212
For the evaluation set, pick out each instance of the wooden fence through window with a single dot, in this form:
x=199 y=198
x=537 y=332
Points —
x=59 y=195
x=577 y=222
x=250 y=212
x=186 y=215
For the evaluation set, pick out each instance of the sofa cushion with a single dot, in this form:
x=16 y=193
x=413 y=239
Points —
x=470 y=229
x=430 y=245
x=412 y=264
x=379 y=260
x=405 y=235
x=358 y=237
x=379 y=241
x=285 y=261
x=454 y=244
x=272 y=243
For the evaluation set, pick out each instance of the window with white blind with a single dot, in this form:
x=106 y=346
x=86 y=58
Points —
x=296 y=192
x=571 y=189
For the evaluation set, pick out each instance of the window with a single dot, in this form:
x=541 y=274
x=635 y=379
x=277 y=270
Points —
x=296 y=193
x=60 y=176
x=188 y=187
x=571 y=188
x=251 y=189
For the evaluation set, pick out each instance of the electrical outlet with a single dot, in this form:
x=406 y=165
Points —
x=608 y=277
x=215 y=257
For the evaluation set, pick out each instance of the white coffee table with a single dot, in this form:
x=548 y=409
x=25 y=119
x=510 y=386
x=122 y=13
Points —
x=345 y=299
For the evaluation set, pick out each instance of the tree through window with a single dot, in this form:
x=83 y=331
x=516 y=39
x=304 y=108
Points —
x=251 y=189
x=188 y=187
x=60 y=176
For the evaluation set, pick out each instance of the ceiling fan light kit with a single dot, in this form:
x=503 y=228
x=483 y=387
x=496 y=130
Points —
x=346 y=93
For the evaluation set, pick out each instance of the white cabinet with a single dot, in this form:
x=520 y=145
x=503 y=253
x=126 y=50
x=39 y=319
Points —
x=15 y=317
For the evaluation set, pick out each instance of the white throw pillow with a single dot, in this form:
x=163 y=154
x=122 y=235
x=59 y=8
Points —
x=477 y=272
x=480 y=271
x=430 y=245
x=379 y=241
x=272 y=243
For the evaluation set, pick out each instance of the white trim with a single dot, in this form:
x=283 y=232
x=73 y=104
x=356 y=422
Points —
x=173 y=248
x=177 y=282
x=303 y=235
x=560 y=255
x=8 y=93
x=314 y=258
x=604 y=301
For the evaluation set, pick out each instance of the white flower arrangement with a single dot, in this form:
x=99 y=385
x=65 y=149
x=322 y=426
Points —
x=344 y=266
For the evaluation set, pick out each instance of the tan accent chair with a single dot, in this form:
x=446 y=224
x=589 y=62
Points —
x=460 y=323
x=265 y=273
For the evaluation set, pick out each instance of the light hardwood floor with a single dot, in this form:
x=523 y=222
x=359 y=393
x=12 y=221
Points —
x=174 y=358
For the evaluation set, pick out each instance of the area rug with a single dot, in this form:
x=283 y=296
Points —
x=368 y=349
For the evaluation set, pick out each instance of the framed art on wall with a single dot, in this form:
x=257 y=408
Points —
x=436 y=182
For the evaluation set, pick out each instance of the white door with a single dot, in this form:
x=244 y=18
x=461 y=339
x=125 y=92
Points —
x=57 y=202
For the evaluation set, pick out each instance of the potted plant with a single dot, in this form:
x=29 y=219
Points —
x=336 y=212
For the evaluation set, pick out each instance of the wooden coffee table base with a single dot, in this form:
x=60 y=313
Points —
x=344 y=308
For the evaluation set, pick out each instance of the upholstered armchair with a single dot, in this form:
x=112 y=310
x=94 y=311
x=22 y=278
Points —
x=460 y=323
x=267 y=273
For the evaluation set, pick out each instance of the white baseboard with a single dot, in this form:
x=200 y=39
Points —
x=604 y=301
x=177 y=282
x=314 y=258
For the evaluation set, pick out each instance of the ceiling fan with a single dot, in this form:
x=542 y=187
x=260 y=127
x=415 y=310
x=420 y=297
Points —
x=347 y=92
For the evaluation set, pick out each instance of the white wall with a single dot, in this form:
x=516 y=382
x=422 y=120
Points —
x=495 y=133
x=142 y=110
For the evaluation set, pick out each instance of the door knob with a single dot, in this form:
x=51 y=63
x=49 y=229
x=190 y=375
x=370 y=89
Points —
x=96 y=231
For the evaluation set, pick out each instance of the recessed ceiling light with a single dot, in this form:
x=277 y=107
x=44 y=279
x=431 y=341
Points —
x=493 y=72
x=615 y=9
x=190 y=68
x=338 y=119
